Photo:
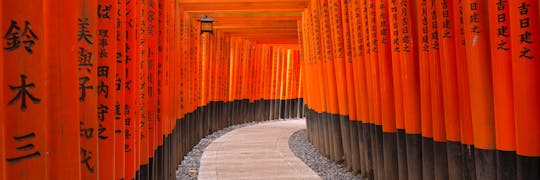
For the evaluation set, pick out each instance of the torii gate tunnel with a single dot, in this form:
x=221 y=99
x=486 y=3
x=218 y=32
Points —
x=390 y=89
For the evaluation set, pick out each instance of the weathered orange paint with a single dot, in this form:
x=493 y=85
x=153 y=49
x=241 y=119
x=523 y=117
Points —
x=479 y=68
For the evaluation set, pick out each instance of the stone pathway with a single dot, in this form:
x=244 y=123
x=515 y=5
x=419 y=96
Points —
x=260 y=151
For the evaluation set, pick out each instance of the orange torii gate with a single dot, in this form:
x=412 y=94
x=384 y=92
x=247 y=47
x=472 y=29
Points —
x=393 y=89
x=134 y=86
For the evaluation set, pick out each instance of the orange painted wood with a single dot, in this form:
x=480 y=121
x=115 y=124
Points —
x=388 y=111
x=163 y=91
x=338 y=59
x=312 y=97
x=152 y=18
x=424 y=68
x=437 y=101
x=374 y=62
x=501 y=62
x=526 y=75
x=364 y=6
x=3 y=173
x=446 y=21
x=410 y=79
x=130 y=92
x=463 y=78
x=24 y=78
x=479 y=68
x=318 y=59
x=88 y=89
x=359 y=60
x=119 y=89
x=395 y=17
x=328 y=59
x=142 y=83
x=106 y=66
x=64 y=132
x=346 y=7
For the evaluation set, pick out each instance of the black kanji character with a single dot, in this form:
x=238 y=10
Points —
x=524 y=8
x=13 y=38
x=128 y=59
x=128 y=83
x=22 y=92
x=102 y=111
x=102 y=130
x=118 y=83
x=525 y=38
x=84 y=32
x=524 y=23
x=473 y=6
x=86 y=157
x=475 y=29
x=85 y=59
x=475 y=17
x=86 y=133
x=126 y=109
x=525 y=53
x=103 y=42
x=500 y=5
x=103 y=89
x=24 y=148
x=501 y=18
x=103 y=11
x=83 y=88
x=502 y=45
x=118 y=109
x=118 y=57
x=103 y=71
x=127 y=121
x=503 y=31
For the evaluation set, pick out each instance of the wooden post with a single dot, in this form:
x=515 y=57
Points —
x=524 y=26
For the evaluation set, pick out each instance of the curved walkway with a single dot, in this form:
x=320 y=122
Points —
x=260 y=151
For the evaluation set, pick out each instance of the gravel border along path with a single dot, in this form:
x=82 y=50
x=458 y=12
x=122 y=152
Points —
x=325 y=168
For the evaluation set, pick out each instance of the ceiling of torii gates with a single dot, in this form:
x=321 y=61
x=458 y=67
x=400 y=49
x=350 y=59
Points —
x=261 y=21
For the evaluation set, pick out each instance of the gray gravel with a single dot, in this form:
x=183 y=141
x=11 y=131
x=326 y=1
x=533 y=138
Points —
x=189 y=168
x=303 y=149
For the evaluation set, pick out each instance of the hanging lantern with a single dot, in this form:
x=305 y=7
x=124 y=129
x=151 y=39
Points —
x=206 y=25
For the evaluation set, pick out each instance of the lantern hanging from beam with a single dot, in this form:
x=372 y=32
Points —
x=206 y=25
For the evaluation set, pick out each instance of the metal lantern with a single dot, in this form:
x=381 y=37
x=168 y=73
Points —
x=206 y=25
